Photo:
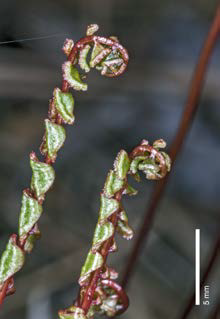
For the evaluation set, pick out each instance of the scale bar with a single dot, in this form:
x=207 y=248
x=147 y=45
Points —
x=197 y=267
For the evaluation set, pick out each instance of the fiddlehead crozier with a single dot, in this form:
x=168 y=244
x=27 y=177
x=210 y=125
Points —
x=99 y=292
x=108 y=56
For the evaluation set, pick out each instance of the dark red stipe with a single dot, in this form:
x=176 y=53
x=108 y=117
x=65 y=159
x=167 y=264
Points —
x=190 y=109
x=3 y=292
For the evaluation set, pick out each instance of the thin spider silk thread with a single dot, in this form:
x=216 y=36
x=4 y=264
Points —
x=33 y=39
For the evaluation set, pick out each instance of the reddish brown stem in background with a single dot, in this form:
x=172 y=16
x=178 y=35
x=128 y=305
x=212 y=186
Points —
x=208 y=269
x=185 y=123
x=216 y=312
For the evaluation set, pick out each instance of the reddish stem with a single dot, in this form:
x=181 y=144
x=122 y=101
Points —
x=216 y=312
x=4 y=291
x=185 y=123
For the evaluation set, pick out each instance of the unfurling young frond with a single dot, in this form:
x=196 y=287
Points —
x=99 y=293
x=61 y=111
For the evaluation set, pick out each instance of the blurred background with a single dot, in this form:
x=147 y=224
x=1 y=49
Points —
x=164 y=39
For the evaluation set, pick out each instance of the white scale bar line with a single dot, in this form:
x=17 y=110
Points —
x=197 y=267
